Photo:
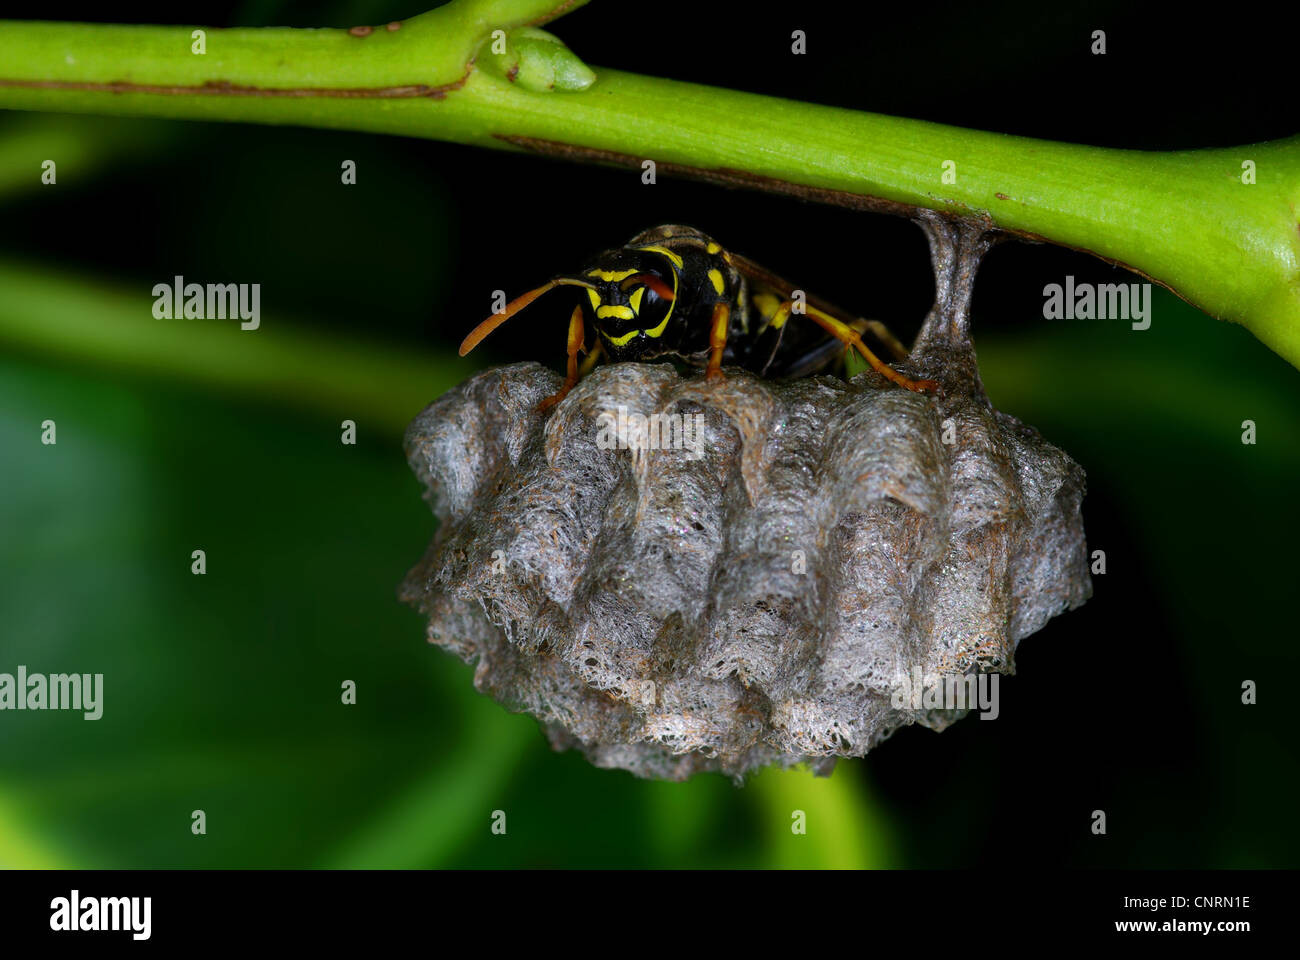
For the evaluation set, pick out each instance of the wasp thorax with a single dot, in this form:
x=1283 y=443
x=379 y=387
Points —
x=676 y=574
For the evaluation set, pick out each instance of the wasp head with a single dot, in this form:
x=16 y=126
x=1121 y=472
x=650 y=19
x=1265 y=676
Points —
x=630 y=303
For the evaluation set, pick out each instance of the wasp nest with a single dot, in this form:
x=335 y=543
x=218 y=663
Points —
x=676 y=575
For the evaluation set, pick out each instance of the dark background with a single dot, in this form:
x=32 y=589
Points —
x=223 y=690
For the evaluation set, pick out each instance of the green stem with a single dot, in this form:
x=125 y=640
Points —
x=1185 y=219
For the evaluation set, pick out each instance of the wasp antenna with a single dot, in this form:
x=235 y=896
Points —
x=664 y=291
x=477 y=335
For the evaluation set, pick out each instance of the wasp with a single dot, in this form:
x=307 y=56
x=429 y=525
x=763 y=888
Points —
x=674 y=292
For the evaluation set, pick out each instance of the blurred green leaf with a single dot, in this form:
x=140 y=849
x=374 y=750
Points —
x=107 y=325
x=81 y=150
x=845 y=830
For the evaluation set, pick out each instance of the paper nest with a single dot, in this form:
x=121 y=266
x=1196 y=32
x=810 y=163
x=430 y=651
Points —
x=754 y=592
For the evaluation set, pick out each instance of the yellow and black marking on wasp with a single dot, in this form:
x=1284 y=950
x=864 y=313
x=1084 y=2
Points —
x=672 y=291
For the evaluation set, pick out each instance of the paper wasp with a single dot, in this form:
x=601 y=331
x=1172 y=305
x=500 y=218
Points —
x=674 y=292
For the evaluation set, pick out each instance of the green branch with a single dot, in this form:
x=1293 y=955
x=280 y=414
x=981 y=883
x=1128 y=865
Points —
x=1184 y=219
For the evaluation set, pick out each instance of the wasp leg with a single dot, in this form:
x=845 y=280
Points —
x=593 y=357
x=717 y=340
x=849 y=337
x=884 y=334
x=576 y=335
